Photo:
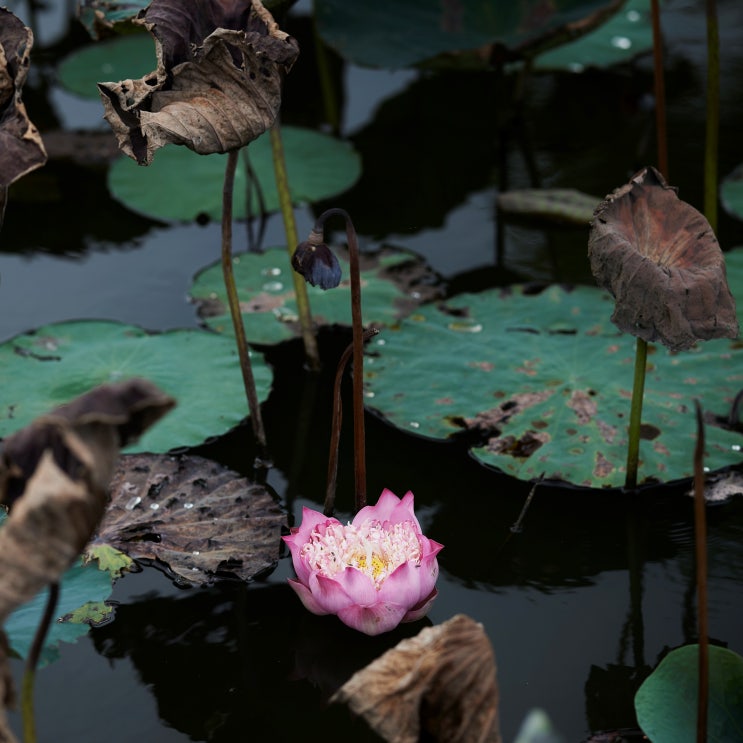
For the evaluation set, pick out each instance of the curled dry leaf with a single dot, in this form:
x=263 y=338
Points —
x=440 y=683
x=218 y=81
x=661 y=261
x=21 y=148
x=194 y=517
x=54 y=477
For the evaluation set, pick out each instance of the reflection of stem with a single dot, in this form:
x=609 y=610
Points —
x=700 y=539
x=713 y=115
x=358 y=352
x=638 y=390
x=234 y=302
x=290 y=227
x=27 y=692
x=337 y=419
x=660 y=91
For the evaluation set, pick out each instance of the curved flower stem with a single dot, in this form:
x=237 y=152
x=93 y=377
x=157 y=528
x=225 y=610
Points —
x=713 y=115
x=337 y=419
x=27 y=690
x=237 y=320
x=290 y=227
x=638 y=391
x=660 y=91
x=358 y=351
x=700 y=539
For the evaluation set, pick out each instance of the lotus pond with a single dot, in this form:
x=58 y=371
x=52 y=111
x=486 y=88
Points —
x=490 y=319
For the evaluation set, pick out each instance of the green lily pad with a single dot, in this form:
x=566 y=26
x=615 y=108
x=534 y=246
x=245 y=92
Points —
x=543 y=382
x=181 y=185
x=265 y=285
x=82 y=589
x=122 y=58
x=402 y=33
x=101 y=15
x=49 y=366
x=625 y=35
x=666 y=703
x=731 y=193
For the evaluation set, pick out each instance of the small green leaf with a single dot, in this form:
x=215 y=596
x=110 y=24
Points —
x=620 y=39
x=80 y=584
x=110 y=559
x=182 y=185
x=122 y=58
x=92 y=613
x=666 y=703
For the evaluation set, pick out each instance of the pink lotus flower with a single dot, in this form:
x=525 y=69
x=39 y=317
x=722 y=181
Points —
x=374 y=573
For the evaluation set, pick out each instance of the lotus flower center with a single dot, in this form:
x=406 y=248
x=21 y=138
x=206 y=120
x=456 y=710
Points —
x=374 y=548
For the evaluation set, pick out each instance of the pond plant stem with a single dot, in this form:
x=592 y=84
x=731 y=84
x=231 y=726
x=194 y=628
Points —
x=660 y=91
x=700 y=540
x=290 y=227
x=713 y=115
x=229 y=283
x=336 y=421
x=635 y=416
x=29 y=674
x=357 y=328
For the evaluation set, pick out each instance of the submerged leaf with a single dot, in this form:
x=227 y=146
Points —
x=21 y=148
x=218 y=80
x=439 y=684
x=195 y=518
x=661 y=261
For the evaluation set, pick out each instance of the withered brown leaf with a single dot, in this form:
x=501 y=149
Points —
x=217 y=85
x=21 y=148
x=661 y=261
x=193 y=517
x=442 y=682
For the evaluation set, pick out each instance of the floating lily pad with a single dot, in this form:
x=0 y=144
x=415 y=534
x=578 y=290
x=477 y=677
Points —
x=562 y=205
x=264 y=283
x=401 y=33
x=181 y=185
x=542 y=382
x=623 y=37
x=731 y=193
x=49 y=366
x=83 y=590
x=131 y=56
x=192 y=517
x=666 y=703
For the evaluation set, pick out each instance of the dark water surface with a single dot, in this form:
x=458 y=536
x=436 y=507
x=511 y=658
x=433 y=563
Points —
x=583 y=603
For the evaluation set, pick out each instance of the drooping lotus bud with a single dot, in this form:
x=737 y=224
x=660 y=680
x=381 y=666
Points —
x=317 y=263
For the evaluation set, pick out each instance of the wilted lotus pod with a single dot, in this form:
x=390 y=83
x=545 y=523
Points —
x=660 y=259
x=21 y=148
x=440 y=684
x=218 y=81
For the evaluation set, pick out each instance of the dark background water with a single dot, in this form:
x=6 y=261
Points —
x=582 y=604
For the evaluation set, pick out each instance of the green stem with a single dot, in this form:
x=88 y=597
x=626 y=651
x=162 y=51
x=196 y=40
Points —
x=660 y=91
x=700 y=540
x=237 y=320
x=713 y=115
x=27 y=689
x=638 y=391
x=290 y=227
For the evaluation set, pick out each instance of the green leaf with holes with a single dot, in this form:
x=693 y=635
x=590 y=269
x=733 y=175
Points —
x=542 y=384
x=182 y=185
x=265 y=285
x=666 y=703
x=51 y=365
